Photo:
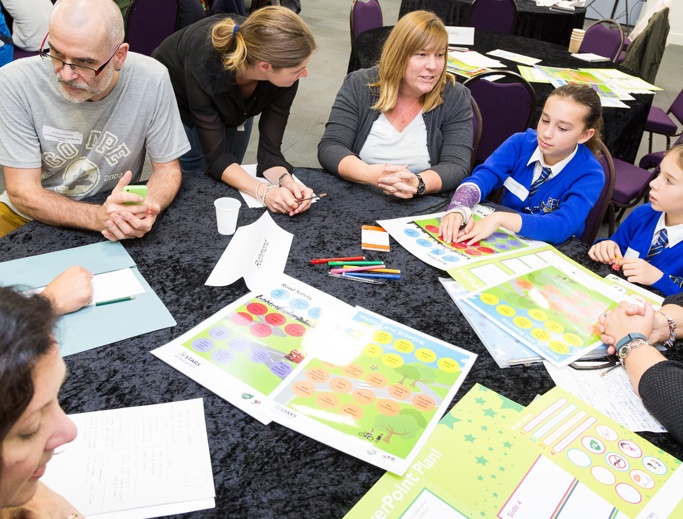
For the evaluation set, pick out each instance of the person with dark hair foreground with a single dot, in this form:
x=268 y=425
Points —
x=32 y=424
x=631 y=330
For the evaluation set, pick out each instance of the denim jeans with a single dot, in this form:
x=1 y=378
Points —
x=193 y=161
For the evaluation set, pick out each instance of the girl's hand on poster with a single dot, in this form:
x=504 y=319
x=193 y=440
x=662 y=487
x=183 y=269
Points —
x=481 y=229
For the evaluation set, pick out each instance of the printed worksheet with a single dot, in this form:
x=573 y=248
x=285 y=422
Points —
x=379 y=395
x=547 y=301
x=246 y=350
x=419 y=235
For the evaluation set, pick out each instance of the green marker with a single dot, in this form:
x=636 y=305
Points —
x=111 y=301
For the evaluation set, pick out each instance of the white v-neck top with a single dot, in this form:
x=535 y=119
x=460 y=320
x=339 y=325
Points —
x=387 y=145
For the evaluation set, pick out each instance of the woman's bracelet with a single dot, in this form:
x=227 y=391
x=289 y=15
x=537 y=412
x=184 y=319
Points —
x=279 y=180
x=256 y=190
x=672 y=330
x=268 y=190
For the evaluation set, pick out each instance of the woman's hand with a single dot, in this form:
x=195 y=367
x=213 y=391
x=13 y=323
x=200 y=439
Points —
x=401 y=183
x=45 y=504
x=70 y=291
x=626 y=318
x=301 y=194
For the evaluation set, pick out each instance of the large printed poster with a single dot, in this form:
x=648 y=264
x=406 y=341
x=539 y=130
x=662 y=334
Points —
x=359 y=382
x=381 y=397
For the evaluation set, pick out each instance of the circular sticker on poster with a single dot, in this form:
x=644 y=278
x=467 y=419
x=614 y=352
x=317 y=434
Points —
x=617 y=461
x=603 y=475
x=606 y=433
x=655 y=465
x=628 y=493
x=592 y=444
x=642 y=479
x=579 y=458
x=630 y=449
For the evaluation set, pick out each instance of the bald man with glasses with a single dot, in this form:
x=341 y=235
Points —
x=78 y=120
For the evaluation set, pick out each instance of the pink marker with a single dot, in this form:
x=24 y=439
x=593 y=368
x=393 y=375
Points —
x=356 y=269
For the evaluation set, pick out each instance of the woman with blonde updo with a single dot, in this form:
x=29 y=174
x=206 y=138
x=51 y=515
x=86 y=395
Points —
x=224 y=71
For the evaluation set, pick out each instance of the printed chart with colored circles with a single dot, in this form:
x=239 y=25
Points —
x=619 y=465
x=388 y=394
x=259 y=342
x=499 y=241
x=548 y=311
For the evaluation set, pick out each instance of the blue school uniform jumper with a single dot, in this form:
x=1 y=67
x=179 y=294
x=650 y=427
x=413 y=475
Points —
x=637 y=233
x=559 y=208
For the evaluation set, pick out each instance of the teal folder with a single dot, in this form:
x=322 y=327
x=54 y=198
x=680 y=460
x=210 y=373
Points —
x=91 y=326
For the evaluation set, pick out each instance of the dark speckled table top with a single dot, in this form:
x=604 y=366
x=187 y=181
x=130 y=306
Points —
x=270 y=471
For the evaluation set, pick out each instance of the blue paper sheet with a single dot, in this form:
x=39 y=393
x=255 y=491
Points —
x=91 y=326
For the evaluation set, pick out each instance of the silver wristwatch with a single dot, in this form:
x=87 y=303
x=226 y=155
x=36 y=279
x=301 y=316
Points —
x=628 y=344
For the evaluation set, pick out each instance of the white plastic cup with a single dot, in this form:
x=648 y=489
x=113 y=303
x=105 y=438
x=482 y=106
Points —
x=575 y=41
x=227 y=210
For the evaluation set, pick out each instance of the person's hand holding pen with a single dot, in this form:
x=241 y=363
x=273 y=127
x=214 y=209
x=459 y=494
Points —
x=289 y=197
x=70 y=291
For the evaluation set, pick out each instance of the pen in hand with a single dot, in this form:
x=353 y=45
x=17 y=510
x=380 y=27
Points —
x=299 y=200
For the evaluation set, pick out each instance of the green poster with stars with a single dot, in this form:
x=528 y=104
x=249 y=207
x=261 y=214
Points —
x=475 y=466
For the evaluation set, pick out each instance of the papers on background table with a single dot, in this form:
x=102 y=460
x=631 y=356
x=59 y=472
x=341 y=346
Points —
x=589 y=56
x=556 y=458
x=257 y=252
x=249 y=198
x=470 y=63
x=460 y=35
x=338 y=374
x=513 y=56
x=95 y=326
x=136 y=462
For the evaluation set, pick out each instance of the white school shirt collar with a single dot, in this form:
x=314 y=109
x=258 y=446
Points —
x=673 y=232
x=556 y=169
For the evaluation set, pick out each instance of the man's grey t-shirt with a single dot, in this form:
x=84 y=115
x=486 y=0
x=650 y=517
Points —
x=85 y=148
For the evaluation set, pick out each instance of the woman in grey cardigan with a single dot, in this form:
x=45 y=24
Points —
x=405 y=126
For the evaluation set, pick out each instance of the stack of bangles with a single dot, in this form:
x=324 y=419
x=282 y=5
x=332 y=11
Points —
x=262 y=197
x=672 y=330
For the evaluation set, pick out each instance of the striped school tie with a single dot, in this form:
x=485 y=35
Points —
x=545 y=173
x=658 y=246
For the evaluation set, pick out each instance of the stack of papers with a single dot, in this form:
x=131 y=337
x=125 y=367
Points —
x=136 y=462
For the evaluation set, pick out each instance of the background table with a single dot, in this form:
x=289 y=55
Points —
x=623 y=129
x=540 y=23
x=270 y=471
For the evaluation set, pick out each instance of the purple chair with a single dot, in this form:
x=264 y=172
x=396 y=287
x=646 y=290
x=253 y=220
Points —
x=604 y=38
x=150 y=22
x=603 y=203
x=658 y=121
x=497 y=16
x=631 y=185
x=365 y=15
x=652 y=160
x=477 y=127
x=506 y=105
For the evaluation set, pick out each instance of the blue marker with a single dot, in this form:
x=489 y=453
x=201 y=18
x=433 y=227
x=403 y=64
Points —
x=371 y=275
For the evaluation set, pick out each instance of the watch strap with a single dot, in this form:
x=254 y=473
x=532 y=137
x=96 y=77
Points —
x=421 y=187
x=627 y=343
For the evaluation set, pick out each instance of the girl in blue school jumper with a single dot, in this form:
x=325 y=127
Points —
x=648 y=246
x=551 y=176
